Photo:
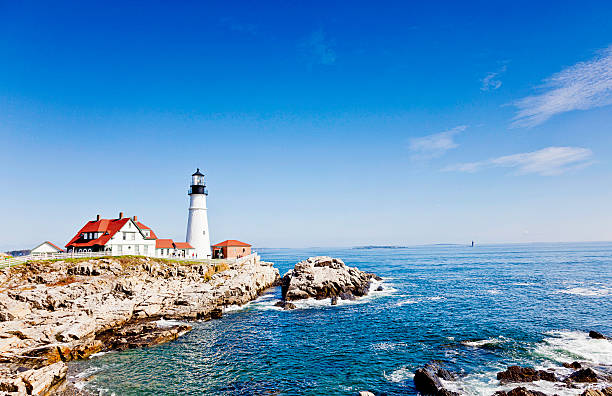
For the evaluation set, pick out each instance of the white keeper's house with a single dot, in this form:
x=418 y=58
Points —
x=125 y=236
x=128 y=236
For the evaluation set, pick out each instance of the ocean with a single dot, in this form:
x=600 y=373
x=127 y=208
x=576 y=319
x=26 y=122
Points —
x=475 y=310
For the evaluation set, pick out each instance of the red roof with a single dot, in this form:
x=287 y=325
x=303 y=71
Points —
x=182 y=245
x=57 y=247
x=144 y=227
x=164 y=244
x=231 y=242
x=169 y=244
x=108 y=228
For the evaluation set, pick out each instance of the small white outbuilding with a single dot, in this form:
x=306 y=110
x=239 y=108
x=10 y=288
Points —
x=46 y=248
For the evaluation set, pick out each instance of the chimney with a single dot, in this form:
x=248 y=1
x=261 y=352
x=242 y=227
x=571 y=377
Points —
x=120 y=215
x=97 y=217
x=135 y=218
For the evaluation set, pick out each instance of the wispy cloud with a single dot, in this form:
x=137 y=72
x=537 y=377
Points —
x=432 y=146
x=236 y=26
x=580 y=87
x=491 y=81
x=548 y=161
x=318 y=49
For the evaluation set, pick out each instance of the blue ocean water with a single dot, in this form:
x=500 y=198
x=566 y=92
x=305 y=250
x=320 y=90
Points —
x=475 y=310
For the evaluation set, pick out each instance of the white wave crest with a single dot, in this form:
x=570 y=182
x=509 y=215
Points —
x=556 y=348
x=489 y=341
x=400 y=375
x=588 y=291
x=388 y=346
x=418 y=300
x=568 y=346
x=168 y=323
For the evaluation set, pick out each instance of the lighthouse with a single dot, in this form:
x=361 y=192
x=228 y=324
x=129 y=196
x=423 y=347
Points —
x=197 y=224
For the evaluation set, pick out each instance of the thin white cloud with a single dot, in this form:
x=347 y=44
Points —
x=491 y=81
x=318 y=49
x=236 y=26
x=432 y=146
x=583 y=86
x=548 y=161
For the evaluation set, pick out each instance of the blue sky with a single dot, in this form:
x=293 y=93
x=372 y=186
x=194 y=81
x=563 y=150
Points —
x=316 y=123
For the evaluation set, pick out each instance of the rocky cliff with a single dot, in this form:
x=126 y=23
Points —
x=55 y=311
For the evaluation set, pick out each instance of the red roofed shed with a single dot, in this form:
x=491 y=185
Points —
x=231 y=249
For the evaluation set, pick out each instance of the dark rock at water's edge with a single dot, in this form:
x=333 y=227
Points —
x=427 y=380
x=285 y=305
x=573 y=365
x=584 y=375
x=325 y=277
x=524 y=374
x=597 y=335
x=520 y=391
x=141 y=334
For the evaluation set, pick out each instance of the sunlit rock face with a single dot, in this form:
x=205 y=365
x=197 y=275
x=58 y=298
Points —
x=57 y=311
x=325 y=277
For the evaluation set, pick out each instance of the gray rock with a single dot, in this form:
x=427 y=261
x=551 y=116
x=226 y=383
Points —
x=596 y=335
x=324 y=277
x=427 y=380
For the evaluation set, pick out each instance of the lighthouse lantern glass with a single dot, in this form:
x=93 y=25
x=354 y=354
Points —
x=197 y=180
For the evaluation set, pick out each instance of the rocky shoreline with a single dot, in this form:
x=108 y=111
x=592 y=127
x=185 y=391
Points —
x=52 y=312
x=581 y=378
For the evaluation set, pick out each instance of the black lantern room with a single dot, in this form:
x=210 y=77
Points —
x=197 y=184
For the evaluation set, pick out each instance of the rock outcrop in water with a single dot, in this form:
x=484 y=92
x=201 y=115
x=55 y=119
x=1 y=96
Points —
x=325 y=277
x=524 y=374
x=427 y=380
x=519 y=391
x=596 y=335
x=55 y=311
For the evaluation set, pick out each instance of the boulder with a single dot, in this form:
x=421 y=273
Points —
x=285 y=305
x=524 y=374
x=324 y=277
x=596 y=335
x=584 y=375
x=365 y=393
x=520 y=391
x=427 y=380
x=573 y=365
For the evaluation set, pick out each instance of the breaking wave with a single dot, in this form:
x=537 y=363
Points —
x=588 y=291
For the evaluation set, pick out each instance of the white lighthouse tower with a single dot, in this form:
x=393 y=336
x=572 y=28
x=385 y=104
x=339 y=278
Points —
x=197 y=224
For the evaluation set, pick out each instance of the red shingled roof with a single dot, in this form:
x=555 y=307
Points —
x=144 y=227
x=108 y=228
x=164 y=244
x=231 y=242
x=55 y=246
x=182 y=245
